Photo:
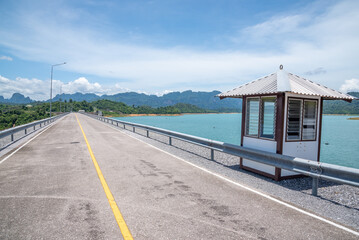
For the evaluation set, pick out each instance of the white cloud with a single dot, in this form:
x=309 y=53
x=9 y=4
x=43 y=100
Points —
x=160 y=94
x=351 y=85
x=316 y=71
x=35 y=88
x=4 y=80
x=301 y=41
x=82 y=85
x=40 y=89
x=5 y=58
x=275 y=30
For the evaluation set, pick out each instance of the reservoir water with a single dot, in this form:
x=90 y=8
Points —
x=340 y=136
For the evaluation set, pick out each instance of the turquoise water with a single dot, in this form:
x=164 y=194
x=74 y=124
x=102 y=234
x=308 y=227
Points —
x=340 y=136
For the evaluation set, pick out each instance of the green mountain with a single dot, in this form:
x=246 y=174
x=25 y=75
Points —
x=342 y=107
x=78 y=97
x=203 y=100
x=109 y=107
x=16 y=98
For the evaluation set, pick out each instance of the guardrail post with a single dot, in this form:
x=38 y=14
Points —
x=34 y=127
x=169 y=140
x=147 y=134
x=124 y=126
x=40 y=125
x=315 y=186
x=12 y=137
x=133 y=129
x=25 y=131
x=212 y=154
x=117 y=124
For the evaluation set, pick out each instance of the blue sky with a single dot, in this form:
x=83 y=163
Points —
x=160 y=46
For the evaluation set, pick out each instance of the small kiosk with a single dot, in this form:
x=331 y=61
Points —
x=282 y=113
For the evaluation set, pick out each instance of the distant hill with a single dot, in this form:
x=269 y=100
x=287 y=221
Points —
x=16 y=98
x=203 y=100
x=342 y=107
x=109 y=107
x=354 y=94
x=78 y=97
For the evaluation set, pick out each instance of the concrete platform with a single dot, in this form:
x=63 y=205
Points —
x=49 y=189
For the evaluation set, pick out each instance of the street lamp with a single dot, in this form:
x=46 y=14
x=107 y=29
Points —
x=60 y=96
x=52 y=70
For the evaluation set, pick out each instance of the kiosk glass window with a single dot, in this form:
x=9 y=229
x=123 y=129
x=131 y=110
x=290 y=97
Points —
x=294 y=119
x=309 y=120
x=260 y=117
x=268 y=117
x=252 y=117
x=302 y=119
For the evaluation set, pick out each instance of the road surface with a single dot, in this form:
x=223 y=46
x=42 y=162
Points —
x=50 y=189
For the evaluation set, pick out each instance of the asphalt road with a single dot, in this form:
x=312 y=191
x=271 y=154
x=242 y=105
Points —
x=50 y=189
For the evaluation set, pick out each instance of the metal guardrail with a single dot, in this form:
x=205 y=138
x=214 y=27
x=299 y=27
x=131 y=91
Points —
x=316 y=170
x=26 y=128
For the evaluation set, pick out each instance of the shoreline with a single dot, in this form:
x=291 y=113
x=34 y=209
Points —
x=161 y=114
x=181 y=114
x=341 y=114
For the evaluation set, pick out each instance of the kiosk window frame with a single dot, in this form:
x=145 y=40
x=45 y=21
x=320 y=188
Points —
x=261 y=117
x=302 y=120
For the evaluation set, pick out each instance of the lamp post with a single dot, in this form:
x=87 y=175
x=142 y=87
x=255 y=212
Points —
x=52 y=70
x=60 y=96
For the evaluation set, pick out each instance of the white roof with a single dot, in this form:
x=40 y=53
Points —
x=283 y=81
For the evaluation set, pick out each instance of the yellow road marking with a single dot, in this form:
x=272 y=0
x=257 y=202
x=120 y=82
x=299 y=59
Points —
x=116 y=211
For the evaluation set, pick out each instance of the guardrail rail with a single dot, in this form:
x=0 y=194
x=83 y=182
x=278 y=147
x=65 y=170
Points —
x=21 y=131
x=316 y=170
